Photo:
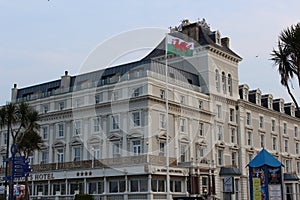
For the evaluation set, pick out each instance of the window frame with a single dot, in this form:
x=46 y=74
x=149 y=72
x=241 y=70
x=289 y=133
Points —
x=77 y=154
x=261 y=122
x=77 y=127
x=61 y=105
x=162 y=94
x=219 y=111
x=115 y=122
x=274 y=143
x=183 y=125
x=60 y=155
x=220 y=157
x=273 y=125
x=233 y=137
x=136 y=122
x=262 y=140
x=96 y=124
x=248 y=119
x=162 y=121
x=232 y=114
x=201 y=129
x=249 y=138
x=162 y=148
x=45 y=157
x=60 y=130
x=183 y=152
x=116 y=149
x=220 y=134
x=285 y=128
x=217 y=80
x=136 y=147
x=286 y=145
x=45 y=132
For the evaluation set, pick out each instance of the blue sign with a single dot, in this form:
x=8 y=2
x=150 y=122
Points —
x=20 y=167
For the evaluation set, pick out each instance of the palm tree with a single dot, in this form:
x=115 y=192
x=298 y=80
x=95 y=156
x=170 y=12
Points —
x=28 y=142
x=19 y=120
x=8 y=119
x=287 y=58
x=280 y=58
x=291 y=41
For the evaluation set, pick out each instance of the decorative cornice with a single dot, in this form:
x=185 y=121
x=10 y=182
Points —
x=223 y=54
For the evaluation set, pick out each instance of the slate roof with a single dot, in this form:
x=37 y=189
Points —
x=205 y=38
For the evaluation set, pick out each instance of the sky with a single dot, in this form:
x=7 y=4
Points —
x=41 y=39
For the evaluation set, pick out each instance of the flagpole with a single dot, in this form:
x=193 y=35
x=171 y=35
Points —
x=167 y=122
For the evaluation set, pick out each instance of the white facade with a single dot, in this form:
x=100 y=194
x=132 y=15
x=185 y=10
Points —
x=105 y=134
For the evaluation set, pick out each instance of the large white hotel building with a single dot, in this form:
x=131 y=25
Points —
x=105 y=131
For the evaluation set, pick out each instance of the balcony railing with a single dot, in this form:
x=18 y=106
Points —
x=109 y=162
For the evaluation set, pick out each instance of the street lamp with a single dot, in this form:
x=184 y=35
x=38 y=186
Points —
x=205 y=193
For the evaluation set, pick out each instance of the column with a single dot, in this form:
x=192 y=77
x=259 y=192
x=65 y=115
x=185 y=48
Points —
x=105 y=185
x=51 y=141
x=67 y=152
x=150 y=195
x=176 y=137
x=104 y=150
x=85 y=186
x=124 y=130
x=126 y=187
x=66 y=187
x=85 y=123
x=49 y=187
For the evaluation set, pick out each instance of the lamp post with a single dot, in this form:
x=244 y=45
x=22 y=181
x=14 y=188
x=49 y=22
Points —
x=147 y=155
x=93 y=158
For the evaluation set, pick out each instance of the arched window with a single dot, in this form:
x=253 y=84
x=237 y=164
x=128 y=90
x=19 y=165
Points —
x=217 y=79
x=230 y=84
x=224 y=82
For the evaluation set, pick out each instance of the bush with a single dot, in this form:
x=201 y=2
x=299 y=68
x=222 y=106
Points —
x=84 y=197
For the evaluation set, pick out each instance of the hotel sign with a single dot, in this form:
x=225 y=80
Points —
x=41 y=177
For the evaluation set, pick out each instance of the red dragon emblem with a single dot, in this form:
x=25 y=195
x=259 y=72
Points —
x=182 y=47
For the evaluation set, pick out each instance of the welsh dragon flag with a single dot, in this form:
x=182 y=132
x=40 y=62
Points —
x=179 y=46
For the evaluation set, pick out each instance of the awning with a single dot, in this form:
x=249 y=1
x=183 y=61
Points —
x=230 y=171
x=290 y=177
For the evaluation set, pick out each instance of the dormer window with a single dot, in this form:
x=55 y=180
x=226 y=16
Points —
x=281 y=107
x=270 y=103
x=258 y=99
x=293 y=111
x=245 y=94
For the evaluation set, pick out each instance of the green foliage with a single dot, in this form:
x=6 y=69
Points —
x=83 y=197
x=287 y=58
x=21 y=123
x=29 y=141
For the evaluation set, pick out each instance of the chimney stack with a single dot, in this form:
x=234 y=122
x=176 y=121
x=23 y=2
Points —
x=225 y=42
